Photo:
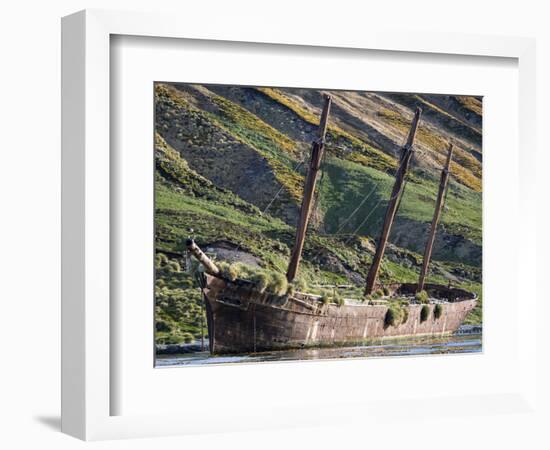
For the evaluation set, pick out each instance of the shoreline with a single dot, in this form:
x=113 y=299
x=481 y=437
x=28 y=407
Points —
x=196 y=347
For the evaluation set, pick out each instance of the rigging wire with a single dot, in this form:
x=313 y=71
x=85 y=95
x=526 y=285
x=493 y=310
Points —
x=352 y=214
x=276 y=195
x=369 y=214
x=355 y=211
x=400 y=194
x=281 y=189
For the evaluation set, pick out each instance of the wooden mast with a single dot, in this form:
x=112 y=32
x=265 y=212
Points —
x=406 y=155
x=309 y=188
x=437 y=214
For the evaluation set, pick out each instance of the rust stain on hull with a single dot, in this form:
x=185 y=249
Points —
x=242 y=320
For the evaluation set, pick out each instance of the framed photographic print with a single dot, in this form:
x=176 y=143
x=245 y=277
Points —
x=270 y=217
x=284 y=188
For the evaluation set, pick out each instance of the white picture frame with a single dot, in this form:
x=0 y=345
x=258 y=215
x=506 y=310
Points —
x=87 y=386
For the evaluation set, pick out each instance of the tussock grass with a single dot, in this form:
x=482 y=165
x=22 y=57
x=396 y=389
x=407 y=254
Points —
x=332 y=296
x=178 y=312
x=300 y=285
x=396 y=314
x=263 y=279
x=438 y=311
x=424 y=313
x=421 y=297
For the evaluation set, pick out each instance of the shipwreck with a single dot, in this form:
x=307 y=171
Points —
x=241 y=318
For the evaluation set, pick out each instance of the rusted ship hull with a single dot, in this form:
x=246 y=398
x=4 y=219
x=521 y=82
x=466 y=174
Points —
x=242 y=320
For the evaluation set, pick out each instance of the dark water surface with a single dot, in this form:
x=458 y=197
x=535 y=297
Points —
x=466 y=343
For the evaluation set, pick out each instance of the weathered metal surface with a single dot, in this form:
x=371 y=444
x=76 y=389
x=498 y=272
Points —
x=393 y=203
x=243 y=320
x=309 y=189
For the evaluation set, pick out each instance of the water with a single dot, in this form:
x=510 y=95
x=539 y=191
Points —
x=465 y=343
